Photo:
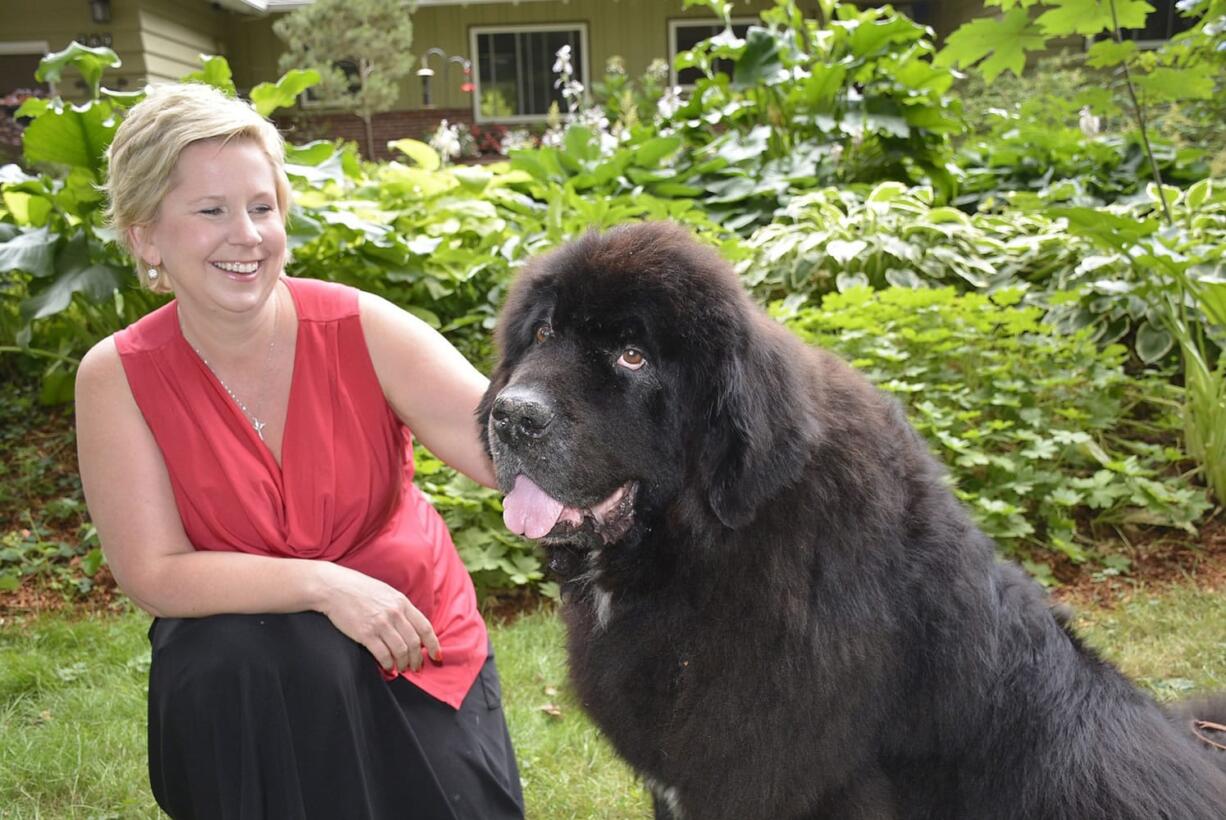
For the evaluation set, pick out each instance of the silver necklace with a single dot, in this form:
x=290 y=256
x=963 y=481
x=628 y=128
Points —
x=256 y=423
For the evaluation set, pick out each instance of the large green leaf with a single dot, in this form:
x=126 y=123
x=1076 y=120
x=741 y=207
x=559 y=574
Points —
x=759 y=64
x=1164 y=84
x=268 y=97
x=1153 y=342
x=581 y=144
x=1117 y=232
x=823 y=85
x=869 y=38
x=29 y=251
x=310 y=153
x=1091 y=17
x=76 y=274
x=649 y=154
x=419 y=152
x=216 y=72
x=73 y=135
x=27 y=209
x=1108 y=53
x=91 y=62
x=1002 y=41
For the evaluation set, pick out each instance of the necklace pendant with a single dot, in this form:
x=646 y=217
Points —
x=259 y=427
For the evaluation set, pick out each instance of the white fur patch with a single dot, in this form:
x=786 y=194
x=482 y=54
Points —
x=666 y=795
x=604 y=606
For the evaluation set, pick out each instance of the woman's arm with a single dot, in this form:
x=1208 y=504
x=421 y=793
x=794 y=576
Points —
x=429 y=384
x=131 y=503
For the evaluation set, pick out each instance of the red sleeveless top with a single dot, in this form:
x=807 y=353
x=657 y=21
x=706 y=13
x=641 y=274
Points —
x=344 y=490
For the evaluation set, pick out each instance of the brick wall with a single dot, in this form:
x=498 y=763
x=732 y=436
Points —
x=393 y=125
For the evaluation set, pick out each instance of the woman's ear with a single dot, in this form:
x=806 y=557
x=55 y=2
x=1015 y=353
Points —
x=140 y=240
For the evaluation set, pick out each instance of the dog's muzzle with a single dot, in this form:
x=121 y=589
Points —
x=521 y=414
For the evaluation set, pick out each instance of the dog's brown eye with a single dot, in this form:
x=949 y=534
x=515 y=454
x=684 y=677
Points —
x=543 y=331
x=632 y=359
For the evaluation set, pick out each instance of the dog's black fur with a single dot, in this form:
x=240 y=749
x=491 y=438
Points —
x=796 y=619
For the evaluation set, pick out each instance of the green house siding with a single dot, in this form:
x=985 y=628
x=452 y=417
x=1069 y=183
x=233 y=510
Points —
x=58 y=22
x=174 y=34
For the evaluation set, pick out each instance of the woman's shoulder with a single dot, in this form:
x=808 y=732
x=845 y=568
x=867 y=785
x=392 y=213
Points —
x=100 y=375
x=320 y=301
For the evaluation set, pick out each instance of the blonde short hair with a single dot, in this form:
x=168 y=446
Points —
x=147 y=145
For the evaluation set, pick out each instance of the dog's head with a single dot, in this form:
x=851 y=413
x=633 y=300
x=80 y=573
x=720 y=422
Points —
x=636 y=377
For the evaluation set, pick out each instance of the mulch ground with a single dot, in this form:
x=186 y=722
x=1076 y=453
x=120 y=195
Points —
x=1159 y=559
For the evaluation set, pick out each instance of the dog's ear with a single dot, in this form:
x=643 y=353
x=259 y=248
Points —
x=760 y=433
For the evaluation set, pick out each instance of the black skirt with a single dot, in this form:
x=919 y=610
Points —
x=283 y=716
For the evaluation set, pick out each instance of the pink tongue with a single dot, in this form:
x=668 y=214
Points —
x=527 y=510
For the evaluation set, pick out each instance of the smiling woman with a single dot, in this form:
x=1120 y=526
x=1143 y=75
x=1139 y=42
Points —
x=246 y=458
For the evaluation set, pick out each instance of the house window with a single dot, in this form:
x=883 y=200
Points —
x=683 y=35
x=514 y=68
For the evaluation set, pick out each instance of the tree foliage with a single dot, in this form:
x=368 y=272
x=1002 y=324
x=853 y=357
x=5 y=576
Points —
x=373 y=36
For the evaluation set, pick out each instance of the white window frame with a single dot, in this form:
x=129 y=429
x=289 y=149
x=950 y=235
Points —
x=39 y=47
x=475 y=56
x=678 y=23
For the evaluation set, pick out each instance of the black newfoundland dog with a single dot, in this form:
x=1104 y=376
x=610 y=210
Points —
x=775 y=607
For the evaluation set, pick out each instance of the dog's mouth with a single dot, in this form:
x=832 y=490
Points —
x=530 y=511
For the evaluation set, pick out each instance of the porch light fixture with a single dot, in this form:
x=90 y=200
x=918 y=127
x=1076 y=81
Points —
x=100 y=11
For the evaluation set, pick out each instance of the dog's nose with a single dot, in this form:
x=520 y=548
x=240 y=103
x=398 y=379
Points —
x=521 y=413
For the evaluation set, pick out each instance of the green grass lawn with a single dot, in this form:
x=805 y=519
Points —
x=72 y=706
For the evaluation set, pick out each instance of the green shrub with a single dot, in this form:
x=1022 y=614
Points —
x=496 y=559
x=1048 y=440
x=1026 y=134
x=1071 y=260
x=834 y=239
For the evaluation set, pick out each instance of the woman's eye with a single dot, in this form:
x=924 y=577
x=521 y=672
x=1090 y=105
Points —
x=631 y=359
x=543 y=331
x=211 y=211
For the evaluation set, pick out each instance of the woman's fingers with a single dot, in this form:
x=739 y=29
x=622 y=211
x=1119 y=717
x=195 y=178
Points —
x=382 y=619
x=424 y=631
x=402 y=653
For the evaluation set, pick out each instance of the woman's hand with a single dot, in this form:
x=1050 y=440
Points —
x=379 y=617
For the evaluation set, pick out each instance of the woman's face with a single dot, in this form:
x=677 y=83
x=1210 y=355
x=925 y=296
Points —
x=218 y=235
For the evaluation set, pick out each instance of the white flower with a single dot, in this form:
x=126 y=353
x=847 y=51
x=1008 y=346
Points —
x=446 y=140
x=1091 y=125
x=562 y=64
x=670 y=103
x=516 y=140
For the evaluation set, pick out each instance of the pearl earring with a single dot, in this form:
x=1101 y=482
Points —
x=153 y=274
